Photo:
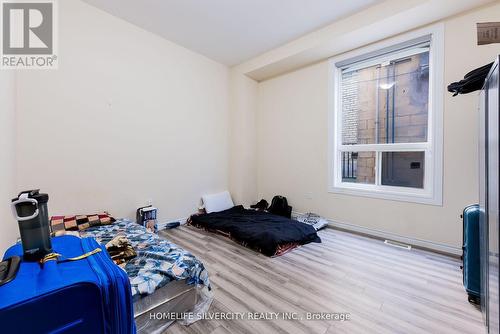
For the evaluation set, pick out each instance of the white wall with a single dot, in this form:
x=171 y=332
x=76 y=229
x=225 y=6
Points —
x=242 y=139
x=127 y=117
x=8 y=226
x=293 y=137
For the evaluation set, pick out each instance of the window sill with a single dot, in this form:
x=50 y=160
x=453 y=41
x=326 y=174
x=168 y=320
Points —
x=418 y=196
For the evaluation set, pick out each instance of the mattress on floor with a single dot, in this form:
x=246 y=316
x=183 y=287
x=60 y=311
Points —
x=164 y=295
x=267 y=233
x=162 y=275
x=176 y=297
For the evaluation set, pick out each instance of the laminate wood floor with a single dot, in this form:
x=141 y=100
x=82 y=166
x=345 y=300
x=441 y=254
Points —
x=383 y=288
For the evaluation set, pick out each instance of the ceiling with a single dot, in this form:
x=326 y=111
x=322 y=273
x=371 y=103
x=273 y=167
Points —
x=231 y=31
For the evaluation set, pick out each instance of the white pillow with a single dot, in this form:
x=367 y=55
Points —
x=217 y=202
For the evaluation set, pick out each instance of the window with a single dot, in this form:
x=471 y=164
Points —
x=386 y=120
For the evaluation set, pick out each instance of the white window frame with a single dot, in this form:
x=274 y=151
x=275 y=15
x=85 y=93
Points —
x=433 y=148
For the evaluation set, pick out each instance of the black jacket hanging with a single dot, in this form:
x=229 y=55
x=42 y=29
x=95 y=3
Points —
x=474 y=80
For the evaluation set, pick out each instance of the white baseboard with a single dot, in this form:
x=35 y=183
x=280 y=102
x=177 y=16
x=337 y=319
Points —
x=442 y=248
x=161 y=226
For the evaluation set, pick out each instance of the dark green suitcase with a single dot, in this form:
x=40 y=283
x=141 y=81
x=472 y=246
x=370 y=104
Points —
x=471 y=260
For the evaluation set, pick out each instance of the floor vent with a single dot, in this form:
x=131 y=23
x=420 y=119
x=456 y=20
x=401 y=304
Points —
x=397 y=244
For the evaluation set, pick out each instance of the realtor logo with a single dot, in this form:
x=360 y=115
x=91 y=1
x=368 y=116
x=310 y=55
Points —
x=28 y=34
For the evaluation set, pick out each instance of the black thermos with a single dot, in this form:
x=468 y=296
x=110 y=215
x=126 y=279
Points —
x=30 y=210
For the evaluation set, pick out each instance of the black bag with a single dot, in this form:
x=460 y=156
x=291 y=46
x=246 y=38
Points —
x=474 y=80
x=261 y=205
x=279 y=206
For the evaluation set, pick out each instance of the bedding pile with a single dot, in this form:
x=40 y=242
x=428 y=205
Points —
x=269 y=234
x=158 y=261
x=120 y=249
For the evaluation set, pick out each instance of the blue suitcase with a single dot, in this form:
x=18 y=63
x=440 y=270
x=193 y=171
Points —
x=90 y=295
x=471 y=259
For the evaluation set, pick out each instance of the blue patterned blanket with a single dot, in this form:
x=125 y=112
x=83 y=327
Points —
x=158 y=261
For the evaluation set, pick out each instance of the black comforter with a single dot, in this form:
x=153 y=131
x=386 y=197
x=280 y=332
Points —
x=259 y=230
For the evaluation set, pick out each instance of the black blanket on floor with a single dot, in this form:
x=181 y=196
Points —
x=256 y=229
